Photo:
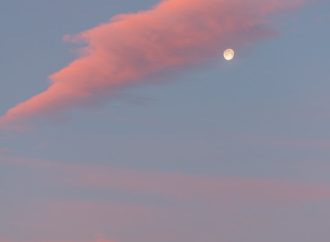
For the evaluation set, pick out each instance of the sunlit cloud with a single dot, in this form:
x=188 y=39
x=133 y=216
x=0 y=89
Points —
x=134 y=48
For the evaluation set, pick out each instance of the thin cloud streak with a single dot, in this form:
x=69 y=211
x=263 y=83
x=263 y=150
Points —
x=98 y=240
x=133 y=48
x=177 y=186
x=182 y=187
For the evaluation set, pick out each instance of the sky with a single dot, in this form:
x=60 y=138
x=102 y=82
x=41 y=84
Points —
x=120 y=121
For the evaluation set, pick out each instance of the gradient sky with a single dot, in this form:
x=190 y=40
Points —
x=214 y=151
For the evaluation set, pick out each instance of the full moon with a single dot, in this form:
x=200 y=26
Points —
x=229 y=54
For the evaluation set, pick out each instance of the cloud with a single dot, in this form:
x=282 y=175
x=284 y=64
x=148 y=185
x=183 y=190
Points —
x=3 y=150
x=97 y=240
x=142 y=201
x=177 y=186
x=185 y=187
x=133 y=48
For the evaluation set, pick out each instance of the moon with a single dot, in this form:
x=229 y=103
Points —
x=229 y=54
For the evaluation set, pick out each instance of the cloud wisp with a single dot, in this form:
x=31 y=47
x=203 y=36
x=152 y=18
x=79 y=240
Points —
x=177 y=186
x=98 y=240
x=133 y=48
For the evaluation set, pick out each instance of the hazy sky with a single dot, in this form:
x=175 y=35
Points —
x=149 y=135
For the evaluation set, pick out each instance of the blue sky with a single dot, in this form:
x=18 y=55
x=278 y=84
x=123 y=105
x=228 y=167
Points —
x=223 y=151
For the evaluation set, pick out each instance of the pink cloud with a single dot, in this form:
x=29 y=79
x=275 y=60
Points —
x=193 y=187
x=132 y=48
x=179 y=186
x=97 y=240
x=85 y=217
x=3 y=150
x=63 y=219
